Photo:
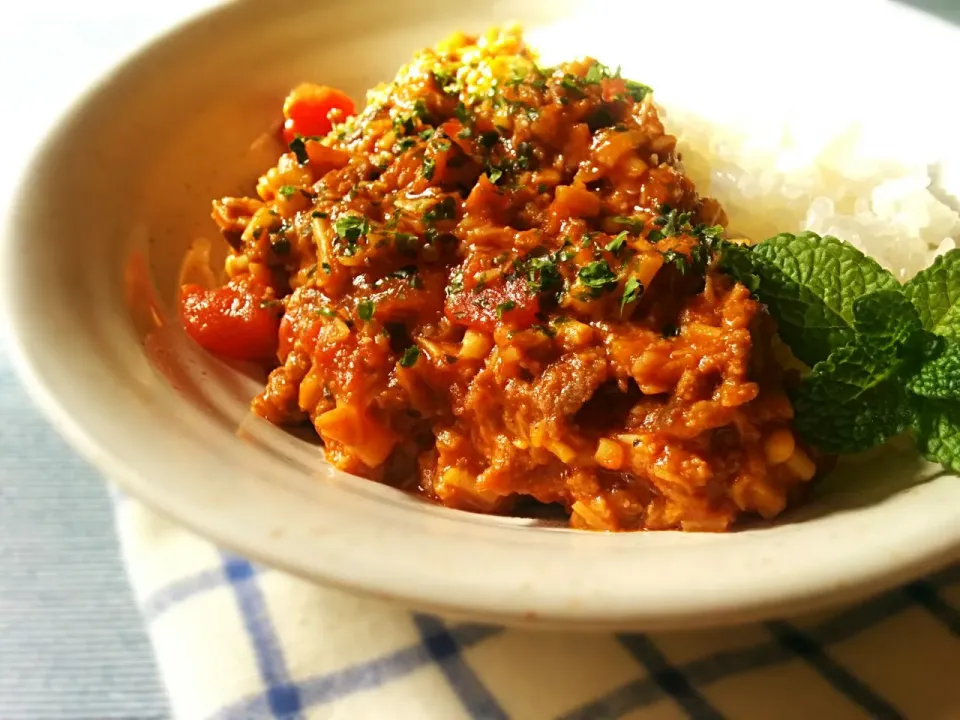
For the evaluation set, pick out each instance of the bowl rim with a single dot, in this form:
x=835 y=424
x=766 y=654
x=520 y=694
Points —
x=550 y=609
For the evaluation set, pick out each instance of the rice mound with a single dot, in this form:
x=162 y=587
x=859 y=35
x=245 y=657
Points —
x=833 y=182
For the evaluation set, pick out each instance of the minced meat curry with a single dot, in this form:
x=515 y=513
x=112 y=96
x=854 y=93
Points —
x=496 y=284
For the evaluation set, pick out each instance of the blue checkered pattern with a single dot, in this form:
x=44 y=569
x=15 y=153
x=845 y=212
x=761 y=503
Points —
x=665 y=681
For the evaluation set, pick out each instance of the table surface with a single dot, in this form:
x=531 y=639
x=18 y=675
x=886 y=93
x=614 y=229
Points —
x=72 y=644
x=71 y=641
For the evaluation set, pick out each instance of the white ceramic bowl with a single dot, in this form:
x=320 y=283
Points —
x=122 y=185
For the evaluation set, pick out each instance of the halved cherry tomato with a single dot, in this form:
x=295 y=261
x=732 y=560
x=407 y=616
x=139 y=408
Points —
x=232 y=321
x=307 y=110
x=510 y=303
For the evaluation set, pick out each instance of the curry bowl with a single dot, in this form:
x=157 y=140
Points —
x=119 y=194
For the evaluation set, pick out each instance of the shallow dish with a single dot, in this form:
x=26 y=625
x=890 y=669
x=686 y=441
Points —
x=90 y=267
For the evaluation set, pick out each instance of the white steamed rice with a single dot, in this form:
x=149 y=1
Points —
x=830 y=181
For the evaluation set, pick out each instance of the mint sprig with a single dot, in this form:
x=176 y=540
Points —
x=810 y=285
x=884 y=357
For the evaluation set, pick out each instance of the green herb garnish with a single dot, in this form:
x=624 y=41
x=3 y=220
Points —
x=298 y=147
x=617 y=243
x=409 y=357
x=429 y=167
x=883 y=357
x=365 y=309
x=351 y=227
x=598 y=276
x=505 y=307
x=287 y=190
x=632 y=290
x=445 y=209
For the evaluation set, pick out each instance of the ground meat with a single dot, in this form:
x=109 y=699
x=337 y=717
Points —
x=497 y=278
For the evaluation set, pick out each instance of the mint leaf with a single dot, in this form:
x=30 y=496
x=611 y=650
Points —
x=850 y=402
x=856 y=399
x=939 y=377
x=938 y=433
x=809 y=284
x=935 y=292
x=885 y=319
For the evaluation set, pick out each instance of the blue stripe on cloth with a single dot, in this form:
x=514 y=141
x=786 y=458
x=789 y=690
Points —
x=324 y=689
x=926 y=595
x=700 y=673
x=673 y=682
x=839 y=677
x=172 y=595
x=444 y=649
x=283 y=697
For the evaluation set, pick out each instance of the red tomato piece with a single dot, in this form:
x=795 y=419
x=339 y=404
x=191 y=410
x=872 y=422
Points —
x=510 y=303
x=231 y=321
x=308 y=107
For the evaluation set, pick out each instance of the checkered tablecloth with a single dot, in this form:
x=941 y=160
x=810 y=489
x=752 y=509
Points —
x=234 y=640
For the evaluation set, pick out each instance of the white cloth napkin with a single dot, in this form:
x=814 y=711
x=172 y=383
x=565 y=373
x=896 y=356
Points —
x=234 y=640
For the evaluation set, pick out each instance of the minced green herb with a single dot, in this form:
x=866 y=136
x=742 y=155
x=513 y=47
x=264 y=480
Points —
x=598 y=276
x=410 y=356
x=632 y=290
x=505 y=307
x=298 y=147
x=429 y=167
x=445 y=209
x=351 y=227
x=617 y=243
x=365 y=310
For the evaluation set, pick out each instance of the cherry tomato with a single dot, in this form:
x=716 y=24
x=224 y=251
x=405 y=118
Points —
x=484 y=308
x=307 y=110
x=231 y=321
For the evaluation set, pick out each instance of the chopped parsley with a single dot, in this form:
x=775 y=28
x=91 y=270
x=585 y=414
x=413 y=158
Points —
x=595 y=74
x=634 y=225
x=572 y=84
x=598 y=276
x=618 y=242
x=632 y=290
x=494 y=174
x=351 y=227
x=410 y=356
x=429 y=167
x=638 y=91
x=455 y=285
x=327 y=312
x=679 y=260
x=461 y=113
x=505 y=307
x=420 y=110
x=365 y=310
x=445 y=209
x=298 y=147
x=318 y=214
x=409 y=273
x=403 y=144
x=326 y=267
x=404 y=125
x=287 y=190
x=542 y=274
